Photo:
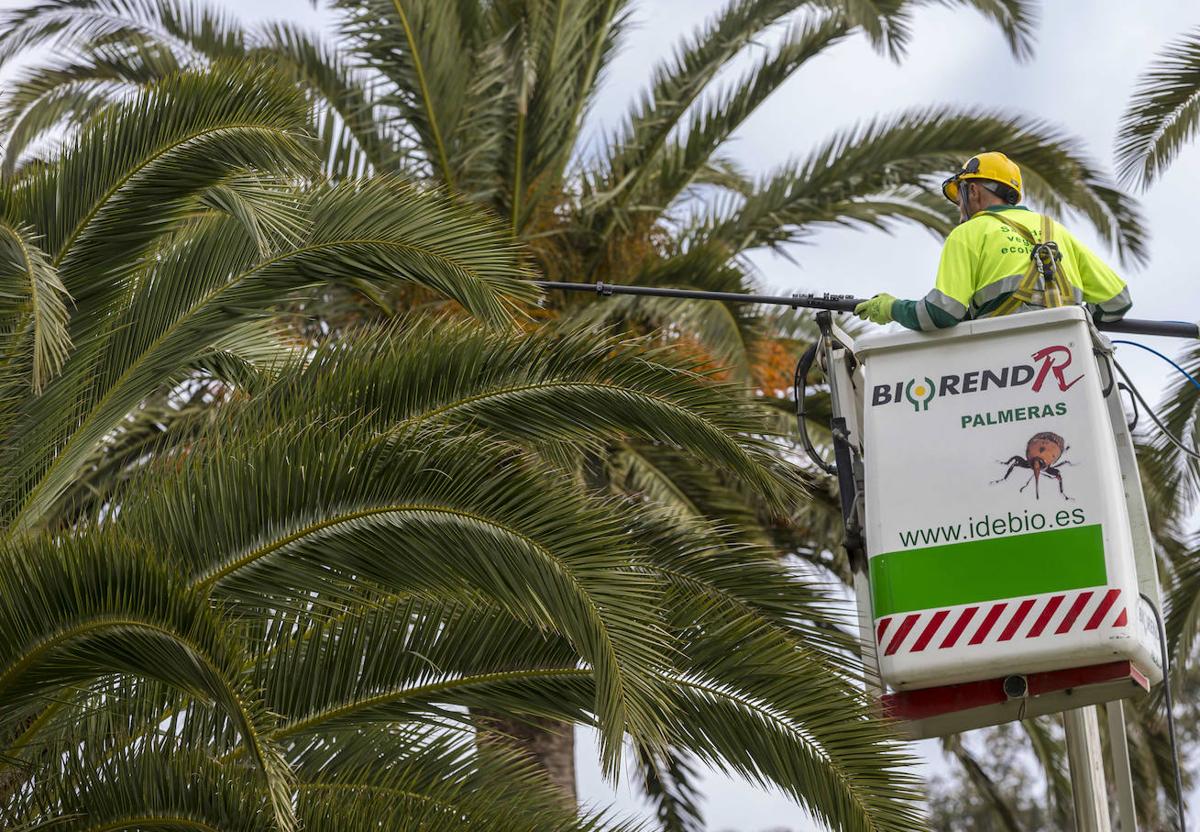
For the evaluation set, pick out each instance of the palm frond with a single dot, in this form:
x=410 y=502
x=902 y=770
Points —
x=487 y=664
x=147 y=159
x=712 y=574
x=1163 y=114
x=33 y=311
x=416 y=659
x=668 y=780
x=721 y=334
x=1174 y=477
x=721 y=171
x=491 y=513
x=269 y=210
x=638 y=149
x=1152 y=763
x=80 y=611
x=61 y=95
x=71 y=25
x=166 y=423
x=675 y=86
x=571 y=385
x=919 y=147
x=1051 y=752
x=356 y=138
x=162 y=37
x=418 y=779
x=714 y=120
x=1183 y=611
x=983 y=784
x=140 y=788
x=677 y=483
x=847 y=787
x=1171 y=482
x=420 y=45
x=755 y=655
x=554 y=78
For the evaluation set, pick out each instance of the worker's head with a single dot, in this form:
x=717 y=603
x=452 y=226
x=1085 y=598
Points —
x=984 y=180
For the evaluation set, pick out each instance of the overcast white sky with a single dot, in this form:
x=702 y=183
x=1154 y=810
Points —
x=1086 y=63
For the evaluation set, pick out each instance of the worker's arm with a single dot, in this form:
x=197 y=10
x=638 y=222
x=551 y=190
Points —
x=946 y=304
x=1104 y=292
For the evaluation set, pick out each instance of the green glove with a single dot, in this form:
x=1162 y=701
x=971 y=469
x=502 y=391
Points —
x=877 y=310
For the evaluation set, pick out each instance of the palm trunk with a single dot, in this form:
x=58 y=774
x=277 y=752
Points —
x=548 y=743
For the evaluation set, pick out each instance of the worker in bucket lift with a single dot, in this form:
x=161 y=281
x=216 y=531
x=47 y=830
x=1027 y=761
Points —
x=1003 y=258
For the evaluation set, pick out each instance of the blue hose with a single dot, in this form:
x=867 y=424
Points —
x=1185 y=373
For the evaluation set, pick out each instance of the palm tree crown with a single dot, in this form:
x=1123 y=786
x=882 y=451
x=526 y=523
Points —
x=252 y=584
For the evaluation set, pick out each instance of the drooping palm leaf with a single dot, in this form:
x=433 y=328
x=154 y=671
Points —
x=33 y=312
x=860 y=165
x=198 y=28
x=677 y=84
x=419 y=45
x=571 y=385
x=140 y=788
x=59 y=97
x=713 y=122
x=121 y=45
x=77 y=611
x=449 y=784
x=1163 y=114
x=356 y=137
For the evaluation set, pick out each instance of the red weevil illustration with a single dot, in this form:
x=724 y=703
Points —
x=1043 y=455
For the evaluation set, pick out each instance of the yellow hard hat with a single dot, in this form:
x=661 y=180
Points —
x=992 y=166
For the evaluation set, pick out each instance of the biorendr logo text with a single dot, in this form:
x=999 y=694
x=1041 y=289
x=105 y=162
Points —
x=1052 y=363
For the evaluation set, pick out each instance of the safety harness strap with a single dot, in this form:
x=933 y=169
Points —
x=1045 y=274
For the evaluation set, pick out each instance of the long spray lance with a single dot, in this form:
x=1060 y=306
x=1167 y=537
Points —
x=837 y=303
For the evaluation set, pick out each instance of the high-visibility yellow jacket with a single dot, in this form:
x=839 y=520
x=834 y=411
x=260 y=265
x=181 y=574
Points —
x=984 y=261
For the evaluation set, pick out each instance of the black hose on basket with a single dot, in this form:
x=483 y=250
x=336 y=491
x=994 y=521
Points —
x=798 y=383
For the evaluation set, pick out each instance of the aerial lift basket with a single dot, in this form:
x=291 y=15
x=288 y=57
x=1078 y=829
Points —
x=1006 y=543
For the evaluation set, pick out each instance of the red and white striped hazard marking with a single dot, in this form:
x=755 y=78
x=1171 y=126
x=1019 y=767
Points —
x=1042 y=617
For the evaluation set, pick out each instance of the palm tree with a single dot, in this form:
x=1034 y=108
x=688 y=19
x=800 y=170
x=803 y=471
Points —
x=324 y=582
x=188 y=185
x=489 y=100
x=282 y=610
